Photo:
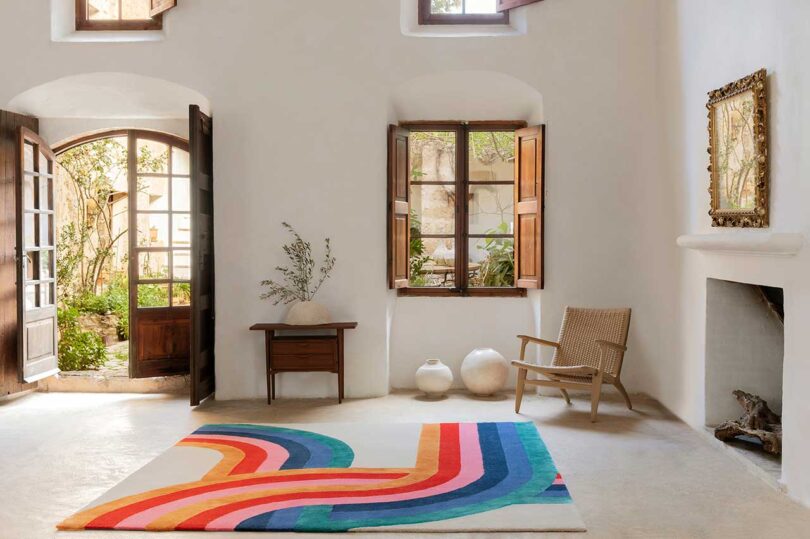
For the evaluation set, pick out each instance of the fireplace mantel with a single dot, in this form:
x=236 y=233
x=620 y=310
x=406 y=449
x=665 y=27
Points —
x=745 y=243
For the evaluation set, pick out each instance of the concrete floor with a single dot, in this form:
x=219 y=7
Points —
x=639 y=474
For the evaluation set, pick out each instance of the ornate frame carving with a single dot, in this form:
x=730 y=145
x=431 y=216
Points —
x=757 y=217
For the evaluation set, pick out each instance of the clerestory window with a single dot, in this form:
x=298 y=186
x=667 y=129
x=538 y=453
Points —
x=127 y=15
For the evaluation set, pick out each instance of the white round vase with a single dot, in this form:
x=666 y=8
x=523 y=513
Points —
x=307 y=313
x=434 y=378
x=484 y=371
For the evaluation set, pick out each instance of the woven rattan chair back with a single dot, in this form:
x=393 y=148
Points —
x=580 y=330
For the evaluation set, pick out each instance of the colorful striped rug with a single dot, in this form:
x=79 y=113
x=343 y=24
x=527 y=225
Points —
x=344 y=477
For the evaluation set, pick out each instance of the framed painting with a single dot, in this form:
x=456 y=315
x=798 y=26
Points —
x=738 y=147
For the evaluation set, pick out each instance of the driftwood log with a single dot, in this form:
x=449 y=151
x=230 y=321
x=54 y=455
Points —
x=758 y=421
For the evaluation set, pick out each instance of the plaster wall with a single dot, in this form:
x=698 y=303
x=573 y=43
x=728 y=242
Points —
x=704 y=45
x=301 y=99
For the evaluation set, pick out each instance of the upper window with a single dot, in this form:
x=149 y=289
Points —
x=465 y=208
x=121 y=14
x=461 y=12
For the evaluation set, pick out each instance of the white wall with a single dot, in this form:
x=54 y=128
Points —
x=703 y=46
x=301 y=99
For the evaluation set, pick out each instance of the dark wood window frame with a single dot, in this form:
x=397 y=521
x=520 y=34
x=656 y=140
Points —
x=426 y=16
x=83 y=22
x=462 y=235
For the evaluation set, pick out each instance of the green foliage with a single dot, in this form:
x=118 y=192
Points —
x=445 y=6
x=153 y=295
x=78 y=350
x=498 y=268
x=296 y=284
x=418 y=258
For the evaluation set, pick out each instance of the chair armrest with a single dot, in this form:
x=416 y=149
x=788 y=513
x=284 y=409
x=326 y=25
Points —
x=526 y=338
x=611 y=345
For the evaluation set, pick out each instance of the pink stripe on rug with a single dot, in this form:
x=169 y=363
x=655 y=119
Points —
x=140 y=520
x=472 y=468
x=276 y=454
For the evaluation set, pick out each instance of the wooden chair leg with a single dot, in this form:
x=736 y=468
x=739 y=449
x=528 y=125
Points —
x=565 y=395
x=596 y=394
x=521 y=384
x=623 y=391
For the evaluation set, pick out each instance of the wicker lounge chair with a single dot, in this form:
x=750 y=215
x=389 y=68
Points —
x=589 y=353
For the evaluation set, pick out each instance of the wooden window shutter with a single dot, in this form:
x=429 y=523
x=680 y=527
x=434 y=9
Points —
x=159 y=7
x=529 y=206
x=398 y=208
x=506 y=5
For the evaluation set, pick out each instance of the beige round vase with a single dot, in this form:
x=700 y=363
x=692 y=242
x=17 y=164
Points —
x=307 y=313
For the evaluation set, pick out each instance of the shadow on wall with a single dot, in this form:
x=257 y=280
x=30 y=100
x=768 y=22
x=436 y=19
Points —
x=449 y=328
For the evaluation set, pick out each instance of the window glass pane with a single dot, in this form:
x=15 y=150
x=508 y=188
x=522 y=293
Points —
x=153 y=265
x=182 y=265
x=181 y=294
x=492 y=156
x=32 y=266
x=433 y=209
x=44 y=164
x=491 y=209
x=45 y=202
x=45 y=297
x=153 y=157
x=180 y=162
x=135 y=9
x=28 y=192
x=446 y=6
x=181 y=194
x=30 y=230
x=153 y=194
x=28 y=157
x=31 y=296
x=153 y=295
x=45 y=238
x=492 y=262
x=153 y=230
x=435 y=266
x=102 y=10
x=181 y=230
x=480 y=6
x=433 y=156
x=46 y=259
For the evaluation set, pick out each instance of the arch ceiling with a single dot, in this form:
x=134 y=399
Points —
x=109 y=96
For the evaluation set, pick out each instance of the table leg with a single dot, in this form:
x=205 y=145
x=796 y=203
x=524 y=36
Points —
x=340 y=365
x=271 y=376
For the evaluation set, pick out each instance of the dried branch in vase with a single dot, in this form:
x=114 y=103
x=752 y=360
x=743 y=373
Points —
x=296 y=283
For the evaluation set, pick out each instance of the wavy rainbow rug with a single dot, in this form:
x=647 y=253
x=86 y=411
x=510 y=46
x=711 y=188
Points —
x=344 y=477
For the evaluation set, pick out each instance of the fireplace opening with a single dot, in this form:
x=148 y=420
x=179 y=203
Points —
x=744 y=361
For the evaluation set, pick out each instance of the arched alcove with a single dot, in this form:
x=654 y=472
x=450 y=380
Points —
x=467 y=95
x=108 y=96
x=449 y=328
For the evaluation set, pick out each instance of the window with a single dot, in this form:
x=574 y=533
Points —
x=468 y=11
x=461 y=12
x=121 y=14
x=454 y=227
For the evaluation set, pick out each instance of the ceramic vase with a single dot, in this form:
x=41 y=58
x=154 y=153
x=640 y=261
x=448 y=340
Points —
x=434 y=378
x=307 y=313
x=484 y=371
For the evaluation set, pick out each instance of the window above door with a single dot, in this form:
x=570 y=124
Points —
x=461 y=12
x=121 y=15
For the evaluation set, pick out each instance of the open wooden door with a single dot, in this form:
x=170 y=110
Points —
x=201 y=138
x=160 y=240
x=36 y=261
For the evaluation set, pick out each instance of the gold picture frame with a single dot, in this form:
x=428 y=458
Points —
x=738 y=148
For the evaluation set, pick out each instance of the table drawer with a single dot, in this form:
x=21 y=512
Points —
x=305 y=346
x=304 y=362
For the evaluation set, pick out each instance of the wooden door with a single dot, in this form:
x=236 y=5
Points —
x=36 y=264
x=10 y=375
x=201 y=138
x=160 y=255
x=398 y=207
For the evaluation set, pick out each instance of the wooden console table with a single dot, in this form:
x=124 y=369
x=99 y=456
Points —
x=303 y=353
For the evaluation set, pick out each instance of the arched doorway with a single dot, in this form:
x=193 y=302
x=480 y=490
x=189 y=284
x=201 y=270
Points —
x=124 y=237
